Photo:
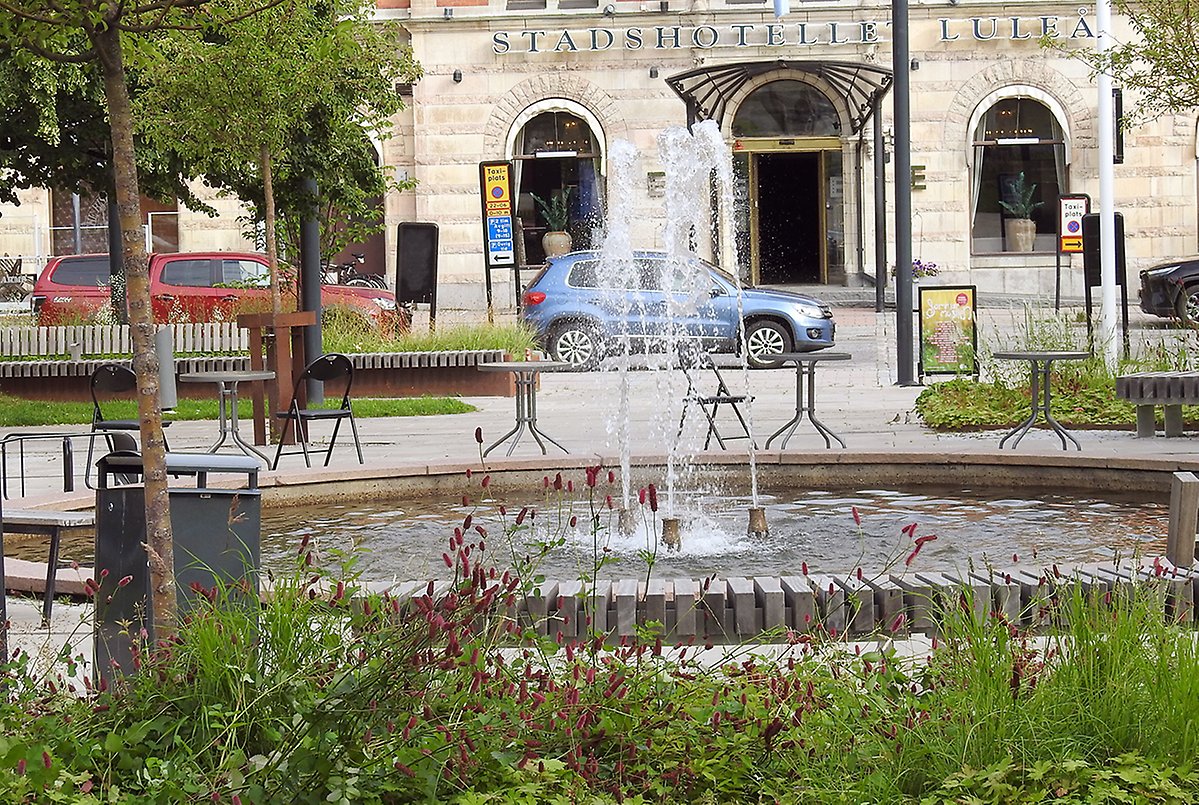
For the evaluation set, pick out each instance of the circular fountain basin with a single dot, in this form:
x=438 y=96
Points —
x=405 y=539
x=1027 y=490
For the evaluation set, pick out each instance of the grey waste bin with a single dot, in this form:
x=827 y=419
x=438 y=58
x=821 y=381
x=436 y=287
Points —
x=217 y=536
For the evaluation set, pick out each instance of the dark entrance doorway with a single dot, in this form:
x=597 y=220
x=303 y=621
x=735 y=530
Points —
x=790 y=218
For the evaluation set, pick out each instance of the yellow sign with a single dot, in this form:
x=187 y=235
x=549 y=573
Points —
x=1071 y=245
x=947 y=330
x=495 y=189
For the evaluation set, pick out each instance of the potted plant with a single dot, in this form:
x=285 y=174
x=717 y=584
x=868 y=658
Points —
x=1020 y=232
x=556 y=212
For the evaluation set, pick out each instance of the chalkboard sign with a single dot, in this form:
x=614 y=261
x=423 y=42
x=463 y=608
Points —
x=948 y=330
x=416 y=263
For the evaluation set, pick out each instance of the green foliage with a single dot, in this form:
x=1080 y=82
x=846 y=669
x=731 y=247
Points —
x=556 y=211
x=1084 y=392
x=1160 y=59
x=18 y=412
x=309 y=83
x=351 y=334
x=1022 y=205
x=334 y=693
x=1071 y=781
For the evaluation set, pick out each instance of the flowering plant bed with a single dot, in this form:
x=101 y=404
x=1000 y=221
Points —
x=336 y=691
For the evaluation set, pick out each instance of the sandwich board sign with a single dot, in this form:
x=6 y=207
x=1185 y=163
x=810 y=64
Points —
x=948 y=330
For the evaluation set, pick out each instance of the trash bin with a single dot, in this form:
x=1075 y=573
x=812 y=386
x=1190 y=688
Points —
x=217 y=542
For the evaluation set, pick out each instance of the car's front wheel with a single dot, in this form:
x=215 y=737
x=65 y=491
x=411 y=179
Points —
x=763 y=339
x=577 y=343
x=1188 y=306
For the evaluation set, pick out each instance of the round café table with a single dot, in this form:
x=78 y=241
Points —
x=1040 y=364
x=525 y=373
x=805 y=367
x=227 y=382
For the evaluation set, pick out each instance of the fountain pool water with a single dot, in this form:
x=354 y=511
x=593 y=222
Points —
x=405 y=539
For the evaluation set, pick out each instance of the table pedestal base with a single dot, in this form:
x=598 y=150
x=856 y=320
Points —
x=805 y=403
x=526 y=416
x=1039 y=383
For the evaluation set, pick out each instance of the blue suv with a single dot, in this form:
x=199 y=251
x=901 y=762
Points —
x=582 y=307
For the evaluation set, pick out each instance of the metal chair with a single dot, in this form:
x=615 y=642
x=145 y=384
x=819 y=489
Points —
x=108 y=382
x=333 y=366
x=694 y=364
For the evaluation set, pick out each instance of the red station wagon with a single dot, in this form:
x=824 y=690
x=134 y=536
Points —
x=197 y=286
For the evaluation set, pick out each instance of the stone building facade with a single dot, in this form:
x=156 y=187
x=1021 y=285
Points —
x=1003 y=122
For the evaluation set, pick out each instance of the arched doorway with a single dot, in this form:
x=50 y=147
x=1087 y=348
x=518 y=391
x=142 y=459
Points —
x=787 y=157
x=556 y=154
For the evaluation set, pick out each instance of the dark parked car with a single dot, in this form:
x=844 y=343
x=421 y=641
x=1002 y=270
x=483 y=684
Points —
x=580 y=315
x=1172 y=290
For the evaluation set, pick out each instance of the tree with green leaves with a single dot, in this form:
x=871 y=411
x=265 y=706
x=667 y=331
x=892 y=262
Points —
x=56 y=135
x=103 y=34
x=290 y=91
x=1160 y=61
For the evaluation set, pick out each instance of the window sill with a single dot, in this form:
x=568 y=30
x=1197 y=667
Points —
x=1016 y=260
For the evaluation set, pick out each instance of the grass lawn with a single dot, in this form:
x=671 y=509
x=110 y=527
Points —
x=17 y=412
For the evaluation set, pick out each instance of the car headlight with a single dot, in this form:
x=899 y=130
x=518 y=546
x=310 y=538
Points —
x=1157 y=272
x=385 y=303
x=811 y=311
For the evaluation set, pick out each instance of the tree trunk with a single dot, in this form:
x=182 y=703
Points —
x=272 y=245
x=159 y=541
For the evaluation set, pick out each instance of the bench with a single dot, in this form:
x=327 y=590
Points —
x=46 y=523
x=1171 y=390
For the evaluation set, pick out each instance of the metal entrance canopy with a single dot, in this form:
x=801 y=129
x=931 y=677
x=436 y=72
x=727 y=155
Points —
x=707 y=90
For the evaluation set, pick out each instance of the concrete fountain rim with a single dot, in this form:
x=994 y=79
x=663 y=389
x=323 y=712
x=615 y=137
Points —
x=832 y=469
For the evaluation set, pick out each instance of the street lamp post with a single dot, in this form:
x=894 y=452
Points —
x=900 y=64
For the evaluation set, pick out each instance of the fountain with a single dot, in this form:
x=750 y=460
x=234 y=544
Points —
x=695 y=162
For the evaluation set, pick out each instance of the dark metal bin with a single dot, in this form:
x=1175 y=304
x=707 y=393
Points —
x=217 y=542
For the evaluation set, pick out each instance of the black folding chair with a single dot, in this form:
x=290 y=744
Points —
x=110 y=381
x=695 y=364
x=333 y=366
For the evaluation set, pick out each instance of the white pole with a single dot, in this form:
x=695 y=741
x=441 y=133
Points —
x=1107 y=205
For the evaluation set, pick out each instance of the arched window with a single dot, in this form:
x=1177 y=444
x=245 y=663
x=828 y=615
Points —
x=786 y=108
x=1019 y=170
x=556 y=155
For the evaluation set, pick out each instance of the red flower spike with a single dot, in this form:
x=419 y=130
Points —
x=804 y=568
x=486 y=481
x=857 y=518
x=652 y=491
x=611 y=477
x=124 y=581
x=859 y=574
x=558 y=482
x=641 y=496
x=570 y=486
x=469 y=472
x=608 y=502
x=479 y=435
x=1015 y=557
